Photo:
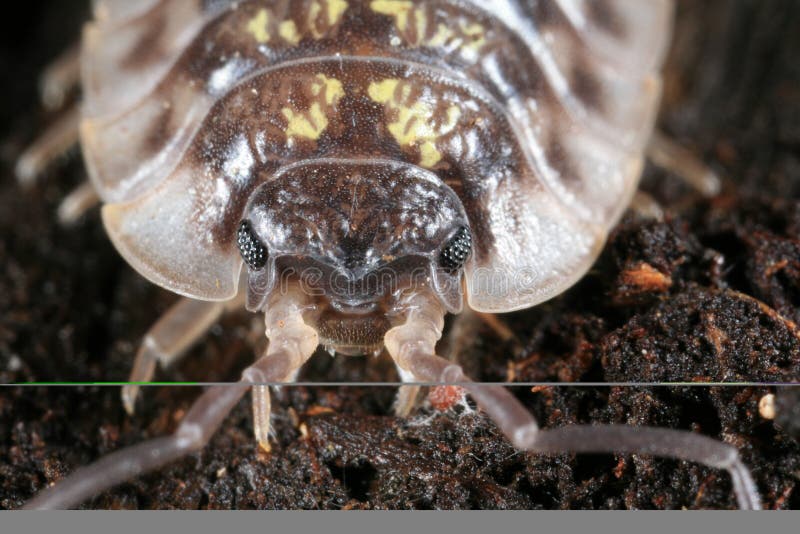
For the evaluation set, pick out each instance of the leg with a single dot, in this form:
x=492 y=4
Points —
x=406 y=400
x=646 y=206
x=288 y=351
x=77 y=203
x=412 y=344
x=61 y=77
x=284 y=325
x=500 y=328
x=667 y=154
x=55 y=141
x=462 y=335
x=169 y=339
x=262 y=409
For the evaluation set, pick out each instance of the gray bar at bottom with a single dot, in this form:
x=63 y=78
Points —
x=400 y=522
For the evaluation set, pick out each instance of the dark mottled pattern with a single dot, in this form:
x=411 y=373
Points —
x=504 y=68
x=355 y=232
x=327 y=209
x=356 y=130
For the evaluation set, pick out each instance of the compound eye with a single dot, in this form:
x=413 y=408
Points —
x=253 y=252
x=456 y=251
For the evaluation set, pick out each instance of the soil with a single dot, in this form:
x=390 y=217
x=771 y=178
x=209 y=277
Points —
x=711 y=293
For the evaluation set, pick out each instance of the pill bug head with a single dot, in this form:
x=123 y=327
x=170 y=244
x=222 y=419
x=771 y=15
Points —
x=357 y=237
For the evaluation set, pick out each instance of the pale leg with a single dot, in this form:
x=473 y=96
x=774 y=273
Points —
x=169 y=339
x=669 y=155
x=61 y=77
x=262 y=409
x=646 y=206
x=77 y=203
x=58 y=80
x=57 y=139
x=463 y=334
x=406 y=399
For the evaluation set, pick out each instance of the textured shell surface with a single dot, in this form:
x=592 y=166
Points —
x=376 y=123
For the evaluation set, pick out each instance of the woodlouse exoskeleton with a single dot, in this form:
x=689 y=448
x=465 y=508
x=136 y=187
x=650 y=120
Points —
x=409 y=145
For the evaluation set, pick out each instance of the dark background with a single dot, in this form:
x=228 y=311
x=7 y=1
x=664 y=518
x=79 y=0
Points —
x=723 y=307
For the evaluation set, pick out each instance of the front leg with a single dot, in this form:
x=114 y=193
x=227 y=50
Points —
x=287 y=332
x=462 y=337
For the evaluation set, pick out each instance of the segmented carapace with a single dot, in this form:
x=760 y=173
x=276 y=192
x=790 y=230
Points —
x=357 y=169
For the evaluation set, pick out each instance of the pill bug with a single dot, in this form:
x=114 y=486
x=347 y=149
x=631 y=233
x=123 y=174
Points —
x=498 y=144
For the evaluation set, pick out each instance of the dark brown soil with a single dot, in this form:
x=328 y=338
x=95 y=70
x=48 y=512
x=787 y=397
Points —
x=710 y=294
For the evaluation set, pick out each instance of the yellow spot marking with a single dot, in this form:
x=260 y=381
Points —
x=333 y=15
x=313 y=13
x=399 y=9
x=442 y=36
x=383 y=92
x=429 y=156
x=392 y=7
x=421 y=20
x=336 y=9
x=478 y=35
x=404 y=14
x=288 y=31
x=300 y=125
x=414 y=125
x=258 y=26
x=311 y=124
x=471 y=37
x=331 y=89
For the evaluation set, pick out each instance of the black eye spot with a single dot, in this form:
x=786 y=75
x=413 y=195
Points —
x=457 y=250
x=253 y=252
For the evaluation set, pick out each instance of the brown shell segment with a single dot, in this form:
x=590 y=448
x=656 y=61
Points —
x=130 y=47
x=535 y=113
